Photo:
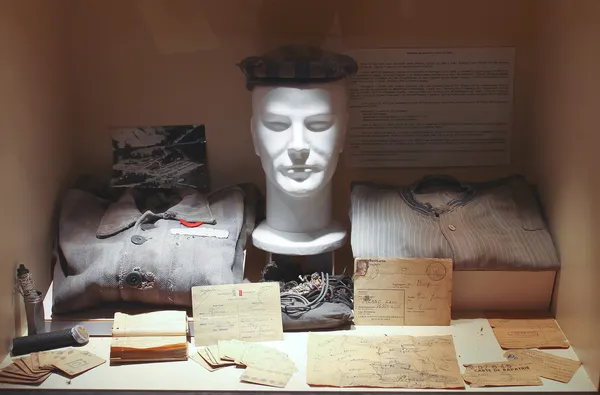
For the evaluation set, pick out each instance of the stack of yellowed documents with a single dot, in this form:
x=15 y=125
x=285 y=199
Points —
x=264 y=365
x=150 y=337
x=35 y=368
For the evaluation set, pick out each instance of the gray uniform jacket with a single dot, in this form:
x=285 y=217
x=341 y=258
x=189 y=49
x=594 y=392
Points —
x=495 y=225
x=113 y=252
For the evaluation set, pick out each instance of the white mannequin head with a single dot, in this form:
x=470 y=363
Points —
x=298 y=132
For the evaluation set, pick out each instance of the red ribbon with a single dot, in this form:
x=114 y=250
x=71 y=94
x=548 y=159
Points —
x=190 y=224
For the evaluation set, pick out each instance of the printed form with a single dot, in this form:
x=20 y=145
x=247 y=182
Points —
x=431 y=107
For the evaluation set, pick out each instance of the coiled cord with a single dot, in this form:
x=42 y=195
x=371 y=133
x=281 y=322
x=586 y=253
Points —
x=288 y=298
x=333 y=289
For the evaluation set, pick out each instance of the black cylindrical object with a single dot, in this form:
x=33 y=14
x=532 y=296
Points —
x=50 y=340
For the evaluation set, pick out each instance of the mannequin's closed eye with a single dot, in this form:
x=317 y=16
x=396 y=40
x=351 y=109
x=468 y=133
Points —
x=276 y=123
x=319 y=123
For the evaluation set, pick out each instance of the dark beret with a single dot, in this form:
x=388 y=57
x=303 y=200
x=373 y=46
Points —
x=296 y=65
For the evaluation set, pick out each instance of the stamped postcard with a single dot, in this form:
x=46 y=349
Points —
x=396 y=291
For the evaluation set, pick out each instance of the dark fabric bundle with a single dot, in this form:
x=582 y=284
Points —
x=129 y=248
x=317 y=301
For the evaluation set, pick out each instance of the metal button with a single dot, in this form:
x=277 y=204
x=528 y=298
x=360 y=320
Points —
x=138 y=240
x=452 y=227
x=133 y=279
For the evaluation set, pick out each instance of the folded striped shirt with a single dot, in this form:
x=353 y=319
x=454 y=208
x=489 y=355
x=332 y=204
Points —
x=493 y=225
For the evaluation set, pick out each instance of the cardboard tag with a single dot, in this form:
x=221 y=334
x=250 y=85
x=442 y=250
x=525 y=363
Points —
x=19 y=372
x=35 y=362
x=35 y=368
x=24 y=381
x=75 y=362
x=47 y=358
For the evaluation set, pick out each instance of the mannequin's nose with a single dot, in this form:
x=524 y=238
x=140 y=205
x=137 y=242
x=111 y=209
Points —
x=298 y=150
x=298 y=155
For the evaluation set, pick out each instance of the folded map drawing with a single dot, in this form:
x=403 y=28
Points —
x=383 y=361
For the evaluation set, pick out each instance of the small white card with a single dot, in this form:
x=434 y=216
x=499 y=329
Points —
x=202 y=232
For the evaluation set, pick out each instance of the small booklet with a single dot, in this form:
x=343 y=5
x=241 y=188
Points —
x=150 y=337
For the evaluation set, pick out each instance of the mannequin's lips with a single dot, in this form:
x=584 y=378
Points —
x=299 y=172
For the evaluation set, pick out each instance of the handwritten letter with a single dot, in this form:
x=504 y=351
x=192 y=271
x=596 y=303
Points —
x=267 y=366
x=547 y=365
x=402 y=291
x=264 y=365
x=248 y=312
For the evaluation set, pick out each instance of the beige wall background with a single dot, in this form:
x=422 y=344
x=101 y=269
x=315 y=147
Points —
x=565 y=161
x=143 y=62
x=135 y=65
x=34 y=151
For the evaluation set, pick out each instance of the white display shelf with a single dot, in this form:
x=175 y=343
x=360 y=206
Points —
x=472 y=291
x=473 y=338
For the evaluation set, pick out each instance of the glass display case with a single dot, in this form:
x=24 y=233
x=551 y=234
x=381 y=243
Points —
x=397 y=129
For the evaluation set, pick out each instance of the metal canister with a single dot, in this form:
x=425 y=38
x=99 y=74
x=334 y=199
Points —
x=34 y=310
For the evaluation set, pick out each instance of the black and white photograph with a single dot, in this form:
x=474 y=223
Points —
x=160 y=157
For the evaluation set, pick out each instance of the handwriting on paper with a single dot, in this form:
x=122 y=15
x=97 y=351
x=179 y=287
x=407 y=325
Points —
x=501 y=374
x=271 y=376
x=264 y=365
x=267 y=366
x=398 y=291
x=547 y=365
x=232 y=350
x=520 y=332
x=247 y=312
x=263 y=356
x=74 y=362
x=383 y=361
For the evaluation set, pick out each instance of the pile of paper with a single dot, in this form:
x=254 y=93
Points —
x=522 y=331
x=35 y=368
x=149 y=337
x=264 y=365
x=522 y=368
x=519 y=333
